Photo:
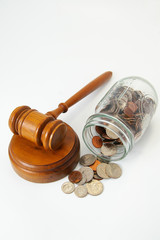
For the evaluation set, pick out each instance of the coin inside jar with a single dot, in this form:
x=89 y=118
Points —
x=108 y=149
x=75 y=176
x=97 y=142
x=100 y=130
x=110 y=133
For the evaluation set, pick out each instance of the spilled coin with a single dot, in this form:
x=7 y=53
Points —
x=68 y=187
x=95 y=187
x=94 y=166
x=87 y=159
x=108 y=149
x=83 y=181
x=113 y=170
x=88 y=172
x=101 y=170
x=75 y=176
x=81 y=191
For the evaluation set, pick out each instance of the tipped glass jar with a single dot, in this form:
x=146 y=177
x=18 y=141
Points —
x=121 y=118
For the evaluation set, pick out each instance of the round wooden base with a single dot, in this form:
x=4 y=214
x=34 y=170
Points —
x=35 y=164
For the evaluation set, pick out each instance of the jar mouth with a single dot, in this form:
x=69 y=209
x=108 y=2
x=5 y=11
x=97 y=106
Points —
x=106 y=121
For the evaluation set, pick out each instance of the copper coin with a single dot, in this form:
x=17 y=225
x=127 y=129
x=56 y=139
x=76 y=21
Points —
x=100 y=130
x=97 y=142
x=132 y=106
x=75 y=177
x=128 y=112
x=94 y=166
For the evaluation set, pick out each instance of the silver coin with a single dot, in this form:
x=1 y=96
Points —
x=97 y=177
x=109 y=149
x=110 y=133
x=88 y=172
x=81 y=191
x=67 y=187
x=95 y=187
x=83 y=181
x=87 y=159
x=101 y=170
x=113 y=170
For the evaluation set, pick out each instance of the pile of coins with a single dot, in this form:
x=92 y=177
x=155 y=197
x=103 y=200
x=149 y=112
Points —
x=107 y=141
x=131 y=107
x=88 y=177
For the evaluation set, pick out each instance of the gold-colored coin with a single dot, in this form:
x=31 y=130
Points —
x=95 y=187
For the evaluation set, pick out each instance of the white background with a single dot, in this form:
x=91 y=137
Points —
x=48 y=51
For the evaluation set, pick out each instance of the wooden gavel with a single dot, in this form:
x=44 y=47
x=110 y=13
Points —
x=46 y=129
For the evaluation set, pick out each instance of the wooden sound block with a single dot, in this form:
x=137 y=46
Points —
x=36 y=164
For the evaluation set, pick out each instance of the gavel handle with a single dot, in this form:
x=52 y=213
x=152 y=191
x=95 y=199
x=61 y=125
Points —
x=89 y=88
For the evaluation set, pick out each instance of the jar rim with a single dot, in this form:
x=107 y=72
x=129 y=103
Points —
x=122 y=132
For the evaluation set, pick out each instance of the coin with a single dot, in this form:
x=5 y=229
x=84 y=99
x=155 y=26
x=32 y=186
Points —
x=104 y=135
x=132 y=106
x=88 y=172
x=113 y=170
x=128 y=112
x=101 y=170
x=108 y=149
x=118 y=142
x=100 y=130
x=87 y=159
x=75 y=176
x=95 y=187
x=97 y=142
x=110 y=133
x=68 y=187
x=95 y=176
x=83 y=181
x=81 y=191
x=94 y=166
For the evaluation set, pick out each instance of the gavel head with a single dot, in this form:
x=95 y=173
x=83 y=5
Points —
x=42 y=129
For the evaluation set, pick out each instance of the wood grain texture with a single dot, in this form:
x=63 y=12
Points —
x=35 y=164
x=44 y=129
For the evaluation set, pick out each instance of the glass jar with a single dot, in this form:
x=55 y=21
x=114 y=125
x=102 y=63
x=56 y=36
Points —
x=120 y=118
